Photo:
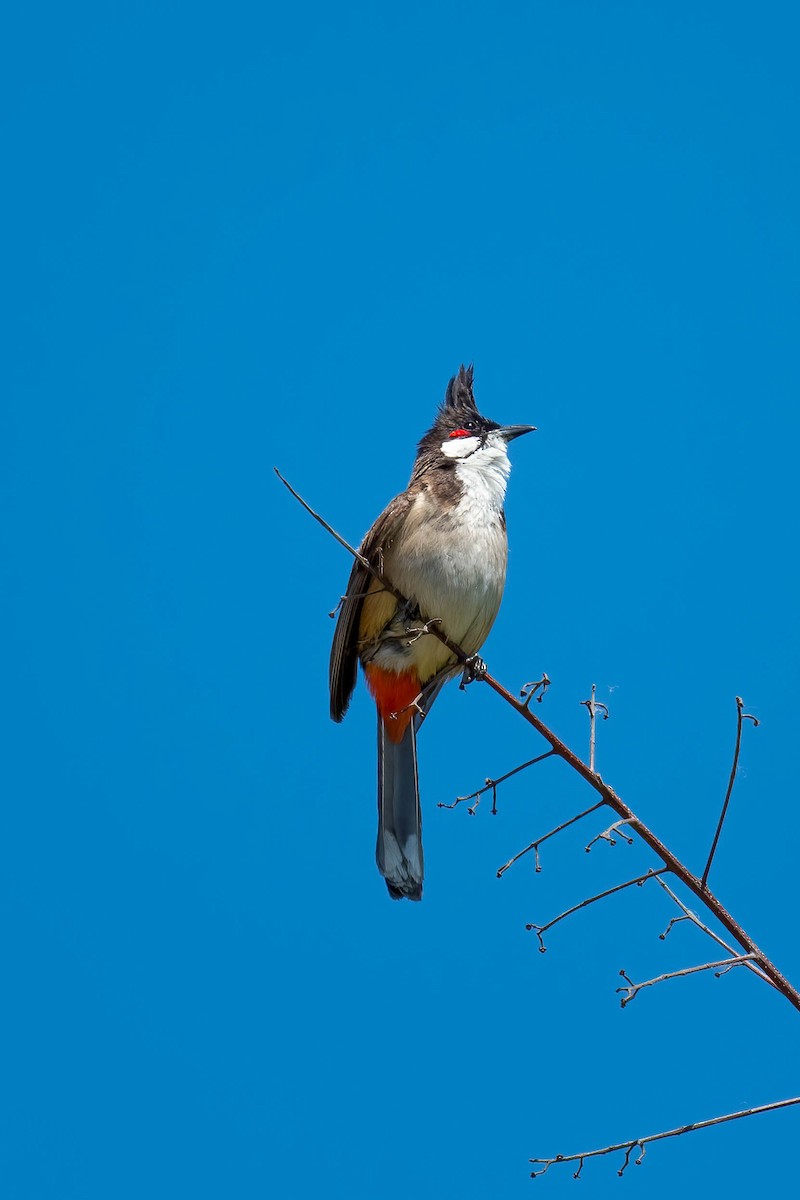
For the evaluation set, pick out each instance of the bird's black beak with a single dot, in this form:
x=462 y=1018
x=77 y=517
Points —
x=509 y=432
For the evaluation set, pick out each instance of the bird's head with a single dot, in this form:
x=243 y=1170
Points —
x=459 y=431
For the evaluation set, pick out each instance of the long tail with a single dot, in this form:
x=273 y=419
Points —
x=399 y=848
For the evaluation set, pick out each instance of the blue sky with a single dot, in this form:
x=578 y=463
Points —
x=241 y=236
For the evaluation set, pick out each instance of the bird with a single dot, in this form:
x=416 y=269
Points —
x=442 y=546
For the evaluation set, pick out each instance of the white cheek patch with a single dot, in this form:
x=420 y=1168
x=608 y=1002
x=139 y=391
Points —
x=460 y=447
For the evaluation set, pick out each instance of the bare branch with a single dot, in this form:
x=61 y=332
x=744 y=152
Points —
x=535 y=845
x=352 y=596
x=629 y=1146
x=325 y=525
x=632 y=989
x=540 y=930
x=672 y=862
x=493 y=785
x=608 y=796
x=412 y=706
x=456 y=650
x=741 y=717
x=693 y=917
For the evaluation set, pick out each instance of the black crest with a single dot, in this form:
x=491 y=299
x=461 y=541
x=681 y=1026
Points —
x=458 y=410
x=459 y=399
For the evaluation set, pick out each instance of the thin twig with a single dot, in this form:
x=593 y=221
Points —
x=630 y=1146
x=674 y=921
x=676 y=867
x=593 y=706
x=416 y=634
x=535 y=845
x=529 y=690
x=693 y=917
x=741 y=717
x=539 y=930
x=606 y=836
x=632 y=990
x=455 y=650
x=355 y=553
x=492 y=784
x=351 y=596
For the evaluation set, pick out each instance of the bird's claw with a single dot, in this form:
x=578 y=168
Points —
x=474 y=668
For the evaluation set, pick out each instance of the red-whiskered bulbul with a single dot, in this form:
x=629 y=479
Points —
x=442 y=544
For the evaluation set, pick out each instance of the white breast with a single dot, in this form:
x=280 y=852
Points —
x=453 y=562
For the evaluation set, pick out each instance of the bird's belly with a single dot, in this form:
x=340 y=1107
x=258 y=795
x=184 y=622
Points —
x=455 y=571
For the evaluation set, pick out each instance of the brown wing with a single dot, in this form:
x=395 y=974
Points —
x=344 y=651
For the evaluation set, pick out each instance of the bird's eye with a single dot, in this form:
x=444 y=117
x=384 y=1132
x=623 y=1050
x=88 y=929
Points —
x=465 y=431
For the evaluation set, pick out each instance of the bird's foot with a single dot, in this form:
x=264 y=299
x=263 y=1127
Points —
x=474 y=668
